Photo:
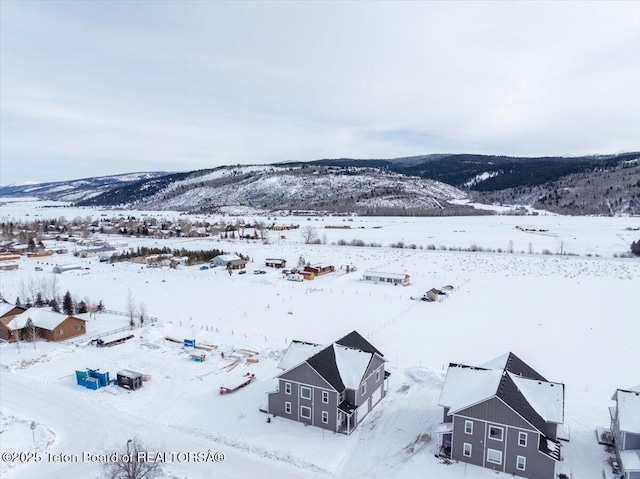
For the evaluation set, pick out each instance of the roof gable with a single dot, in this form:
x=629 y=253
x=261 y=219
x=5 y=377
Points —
x=512 y=363
x=510 y=379
x=495 y=406
x=325 y=364
x=342 y=364
x=303 y=373
x=356 y=341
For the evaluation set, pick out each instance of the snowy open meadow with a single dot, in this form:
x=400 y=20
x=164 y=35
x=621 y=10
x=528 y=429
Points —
x=574 y=317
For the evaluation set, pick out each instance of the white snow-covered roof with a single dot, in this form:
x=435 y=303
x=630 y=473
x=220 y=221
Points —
x=629 y=410
x=66 y=267
x=227 y=257
x=41 y=318
x=545 y=397
x=443 y=428
x=5 y=308
x=630 y=460
x=352 y=364
x=465 y=386
x=497 y=363
x=297 y=352
x=379 y=274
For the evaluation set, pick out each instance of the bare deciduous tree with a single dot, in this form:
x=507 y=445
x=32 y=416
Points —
x=131 y=308
x=142 y=312
x=309 y=234
x=261 y=227
x=134 y=466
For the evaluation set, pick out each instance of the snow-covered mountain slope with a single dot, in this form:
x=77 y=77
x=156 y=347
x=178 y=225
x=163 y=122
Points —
x=259 y=187
x=76 y=190
x=316 y=187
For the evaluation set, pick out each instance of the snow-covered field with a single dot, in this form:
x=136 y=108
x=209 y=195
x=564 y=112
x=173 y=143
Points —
x=575 y=319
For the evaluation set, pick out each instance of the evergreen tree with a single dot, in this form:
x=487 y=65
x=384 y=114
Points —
x=82 y=307
x=67 y=304
x=30 y=332
x=100 y=306
x=55 y=307
x=635 y=248
x=18 y=303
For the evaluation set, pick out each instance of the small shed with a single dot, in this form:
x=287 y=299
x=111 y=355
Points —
x=307 y=275
x=129 y=379
x=237 y=264
x=275 y=263
x=435 y=294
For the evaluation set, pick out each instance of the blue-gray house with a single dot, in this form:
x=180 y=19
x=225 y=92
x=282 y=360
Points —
x=333 y=387
x=625 y=427
x=502 y=415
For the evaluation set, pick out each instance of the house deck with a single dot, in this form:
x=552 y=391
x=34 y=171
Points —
x=604 y=437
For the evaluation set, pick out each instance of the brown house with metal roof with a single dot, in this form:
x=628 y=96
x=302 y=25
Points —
x=52 y=326
x=7 y=313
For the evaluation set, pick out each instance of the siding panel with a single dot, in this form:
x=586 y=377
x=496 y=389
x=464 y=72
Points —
x=307 y=375
x=495 y=411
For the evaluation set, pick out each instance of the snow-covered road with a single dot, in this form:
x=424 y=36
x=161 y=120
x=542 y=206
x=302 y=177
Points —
x=81 y=426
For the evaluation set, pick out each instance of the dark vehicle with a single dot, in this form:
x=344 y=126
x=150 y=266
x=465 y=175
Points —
x=259 y=271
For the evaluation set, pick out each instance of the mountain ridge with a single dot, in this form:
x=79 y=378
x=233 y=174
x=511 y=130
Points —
x=422 y=184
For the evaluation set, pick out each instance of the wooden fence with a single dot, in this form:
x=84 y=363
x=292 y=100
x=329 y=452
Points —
x=151 y=319
x=147 y=319
x=97 y=336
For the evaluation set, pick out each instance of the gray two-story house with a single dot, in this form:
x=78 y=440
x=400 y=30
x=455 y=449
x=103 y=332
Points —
x=502 y=415
x=333 y=387
x=625 y=427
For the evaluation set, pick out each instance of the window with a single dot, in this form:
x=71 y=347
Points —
x=325 y=397
x=468 y=427
x=287 y=407
x=466 y=450
x=363 y=389
x=521 y=463
x=522 y=439
x=325 y=417
x=305 y=392
x=377 y=375
x=77 y=327
x=495 y=433
x=494 y=456
x=305 y=412
x=287 y=388
x=60 y=331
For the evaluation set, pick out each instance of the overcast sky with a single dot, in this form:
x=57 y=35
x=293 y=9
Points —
x=98 y=88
